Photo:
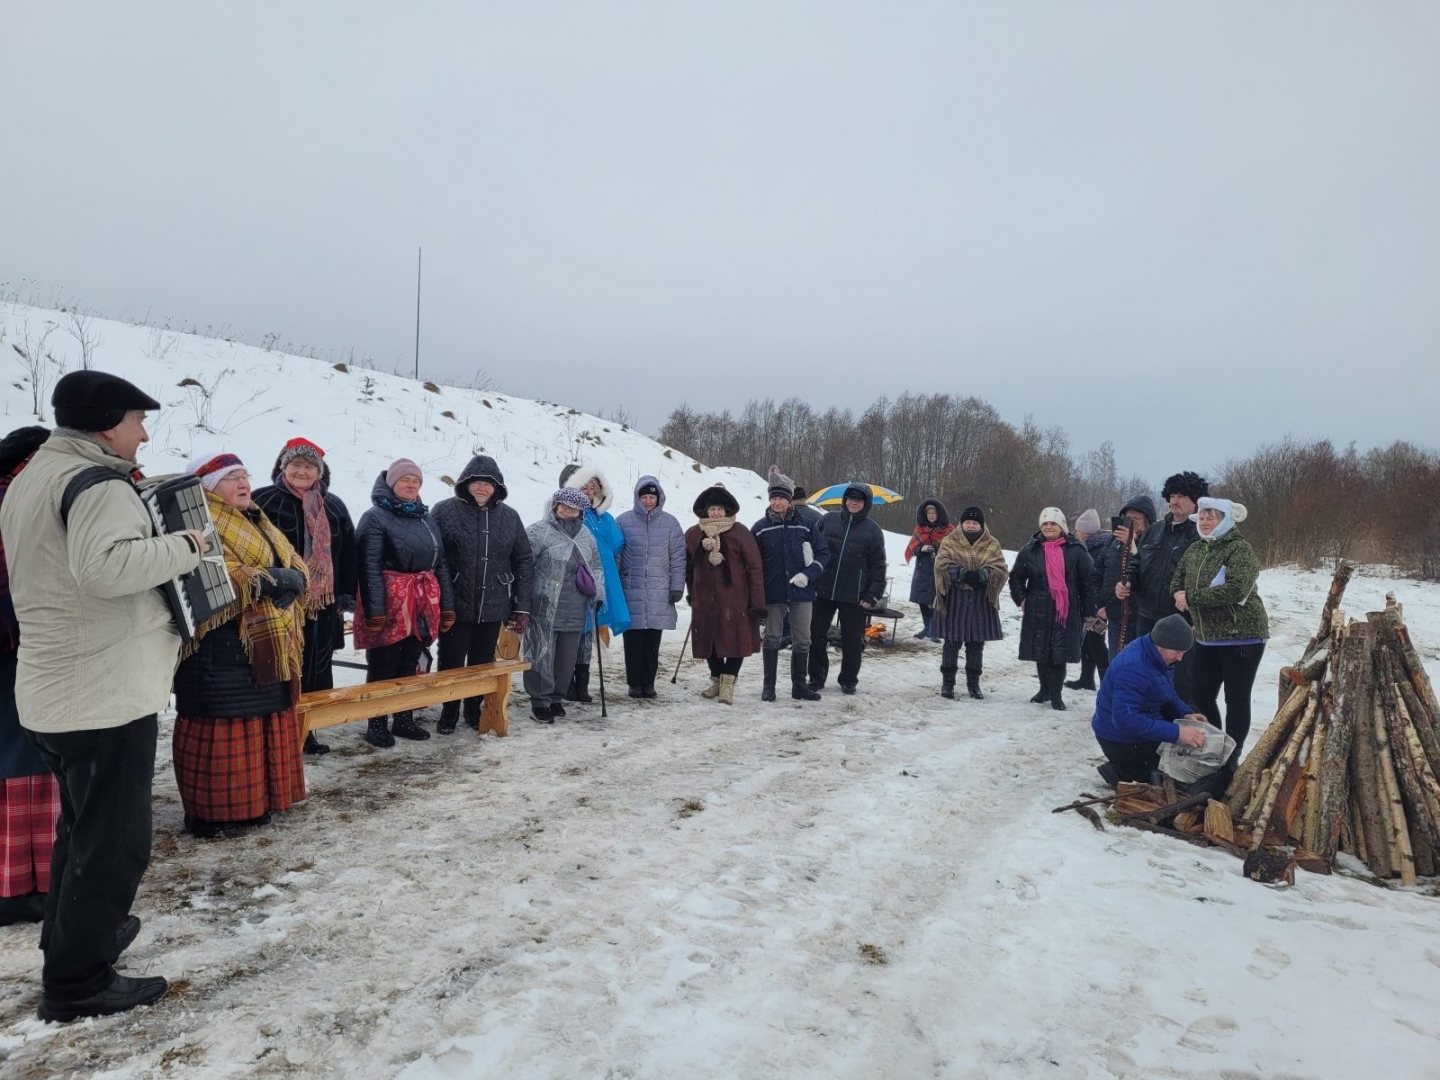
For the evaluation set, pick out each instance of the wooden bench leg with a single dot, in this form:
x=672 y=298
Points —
x=493 y=715
x=304 y=730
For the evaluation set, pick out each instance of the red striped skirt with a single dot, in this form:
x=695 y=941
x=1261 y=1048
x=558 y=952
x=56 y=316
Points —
x=235 y=770
x=29 y=808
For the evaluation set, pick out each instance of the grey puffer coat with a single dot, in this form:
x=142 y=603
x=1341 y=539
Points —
x=654 y=563
x=486 y=548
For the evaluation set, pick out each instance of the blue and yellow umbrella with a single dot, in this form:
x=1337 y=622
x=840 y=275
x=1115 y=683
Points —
x=834 y=495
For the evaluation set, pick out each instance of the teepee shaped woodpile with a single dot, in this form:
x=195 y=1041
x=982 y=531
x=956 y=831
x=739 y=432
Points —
x=1349 y=764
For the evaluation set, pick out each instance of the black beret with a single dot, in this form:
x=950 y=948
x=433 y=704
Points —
x=96 y=401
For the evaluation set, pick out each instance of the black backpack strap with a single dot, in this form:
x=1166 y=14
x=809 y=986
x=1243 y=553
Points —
x=82 y=482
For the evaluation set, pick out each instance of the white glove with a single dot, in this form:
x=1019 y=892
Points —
x=808 y=552
x=800 y=581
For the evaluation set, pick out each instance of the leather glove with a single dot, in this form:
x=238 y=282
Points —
x=447 y=620
x=284 y=588
x=676 y=595
x=972 y=578
x=955 y=572
x=800 y=581
x=983 y=575
x=520 y=622
x=374 y=623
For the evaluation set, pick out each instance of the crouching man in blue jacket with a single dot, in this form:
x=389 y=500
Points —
x=1136 y=708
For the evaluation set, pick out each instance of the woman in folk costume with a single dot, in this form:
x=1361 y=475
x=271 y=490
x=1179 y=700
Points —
x=727 y=590
x=406 y=596
x=1051 y=583
x=317 y=524
x=932 y=525
x=610 y=541
x=29 y=793
x=969 y=574
x=237 y=737
x=567 y=585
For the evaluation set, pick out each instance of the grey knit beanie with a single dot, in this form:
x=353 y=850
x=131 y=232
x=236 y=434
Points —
x=1172 y=632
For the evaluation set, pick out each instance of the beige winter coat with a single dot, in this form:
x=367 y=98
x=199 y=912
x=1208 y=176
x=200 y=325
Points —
x=98 y=645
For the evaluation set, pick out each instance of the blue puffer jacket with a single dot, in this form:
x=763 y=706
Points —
x=782 y=554
x=654 y=563
x=1137 y=700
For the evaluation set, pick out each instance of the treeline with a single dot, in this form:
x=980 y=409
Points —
x=920 y=445
x=1311 y=504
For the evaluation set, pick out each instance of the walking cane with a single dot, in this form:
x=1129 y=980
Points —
x=599 y=661
x=681 y=658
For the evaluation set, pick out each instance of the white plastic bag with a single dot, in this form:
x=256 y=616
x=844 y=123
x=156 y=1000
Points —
x=1186 y=765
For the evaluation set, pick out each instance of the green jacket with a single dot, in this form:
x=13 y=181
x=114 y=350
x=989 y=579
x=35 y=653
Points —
x=1232 y=611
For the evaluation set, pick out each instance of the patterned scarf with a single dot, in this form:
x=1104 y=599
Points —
x=414 y=509
x=713 y=529
x=926 y=534
x=1055 y=577
x=274 y=639
x=958 y=549
x=317 y=546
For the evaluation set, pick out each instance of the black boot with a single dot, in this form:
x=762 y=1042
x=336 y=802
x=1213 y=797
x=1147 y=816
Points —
x=1057 y=680
x=580 y=685
x=972 y=684
x=449 y=718
x=314 y=745
x=1087 y=675
x=23 y=909
x=123 y=994
x=378 y=733
x=974 y=666
x=471 y=712
x=949 y=664
x=405 y=727
x=541 y=714
x=1042 y=672
x=947 y=683
x=772 y=664
x=800 y=689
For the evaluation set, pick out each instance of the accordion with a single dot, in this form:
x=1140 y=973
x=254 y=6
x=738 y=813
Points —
x=177 y=503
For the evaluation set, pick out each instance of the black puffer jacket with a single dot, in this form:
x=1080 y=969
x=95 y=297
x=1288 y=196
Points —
x=1161 y=549
x=486 y=548
x=856 y=570
x=389 y=539
x=1108 y=558
x=287 y=511
x=215 y=680
x=1042 y=639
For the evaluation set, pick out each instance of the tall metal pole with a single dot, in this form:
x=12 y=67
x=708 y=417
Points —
x=419 y=264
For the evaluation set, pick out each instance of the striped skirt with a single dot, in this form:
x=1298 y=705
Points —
x=968 y=616
x=29 y=807
x=235 y=770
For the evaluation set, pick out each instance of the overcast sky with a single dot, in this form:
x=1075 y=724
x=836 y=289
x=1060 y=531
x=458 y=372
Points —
x=1186 y=227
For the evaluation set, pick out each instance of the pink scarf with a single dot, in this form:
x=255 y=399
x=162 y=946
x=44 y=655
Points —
x=1055 y=577
x=317 y=546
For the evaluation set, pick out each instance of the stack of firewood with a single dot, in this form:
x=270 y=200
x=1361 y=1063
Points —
x=1349 y=764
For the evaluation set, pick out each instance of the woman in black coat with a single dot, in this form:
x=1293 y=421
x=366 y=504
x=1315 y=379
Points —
x=301 y=505
x=1051 y=583
x=406 y=596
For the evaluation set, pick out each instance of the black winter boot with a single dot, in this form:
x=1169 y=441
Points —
x=974 y=667
x=580 y=685
x=378 y=733
x=949 y=664
x=314 y=745
x=1057 y=680
x=947 y=683
x=972 y=684
x=471 y=712
x=800 y=689
x=772 y=664
x=1042 y=672
x=1087 y=675
x=405 y=727
x=449 y=718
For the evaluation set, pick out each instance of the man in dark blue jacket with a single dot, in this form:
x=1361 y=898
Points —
x=794 y=555
x=853 y=582
x=1137 y=706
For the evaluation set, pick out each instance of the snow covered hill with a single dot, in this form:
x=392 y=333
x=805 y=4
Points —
x=862 y=887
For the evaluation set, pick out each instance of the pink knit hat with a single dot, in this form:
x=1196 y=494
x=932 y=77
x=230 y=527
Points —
x=401 y=467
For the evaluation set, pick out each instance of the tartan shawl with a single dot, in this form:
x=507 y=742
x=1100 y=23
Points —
x=274 y=640
x=957 y=548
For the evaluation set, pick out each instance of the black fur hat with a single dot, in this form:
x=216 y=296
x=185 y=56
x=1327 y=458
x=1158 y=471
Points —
x=1190 y=484
x=716 y=496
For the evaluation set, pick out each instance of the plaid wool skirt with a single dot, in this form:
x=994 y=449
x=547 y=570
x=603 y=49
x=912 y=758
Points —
x=29 y=807
x=235 y=770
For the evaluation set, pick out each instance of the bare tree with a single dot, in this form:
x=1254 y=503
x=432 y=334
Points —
x=80 y=325
x=41 y=368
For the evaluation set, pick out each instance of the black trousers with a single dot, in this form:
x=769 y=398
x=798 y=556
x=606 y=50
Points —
x=462 y=645
x=1132 y=761
x=1234 y=668
x=102 y=848
x=324 y=632
x=1184 y=670
x=1094 y=657
x=724 y=665
x=852 y=641
x=395 y=661
x=642 y=658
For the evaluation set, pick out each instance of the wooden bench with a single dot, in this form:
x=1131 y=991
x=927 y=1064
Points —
x=326 y=708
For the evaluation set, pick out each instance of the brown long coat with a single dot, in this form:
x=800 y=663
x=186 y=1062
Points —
x=722 y=597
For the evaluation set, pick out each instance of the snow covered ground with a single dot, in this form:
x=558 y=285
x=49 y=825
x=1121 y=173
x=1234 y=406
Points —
x=857 y=888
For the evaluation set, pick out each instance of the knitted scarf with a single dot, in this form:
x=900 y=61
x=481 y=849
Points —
x=1055 y=577
x=415 y=508
x=317 y=545
x=958 y=549
x=712 y=529
x=274 y=639
x=926 y=534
